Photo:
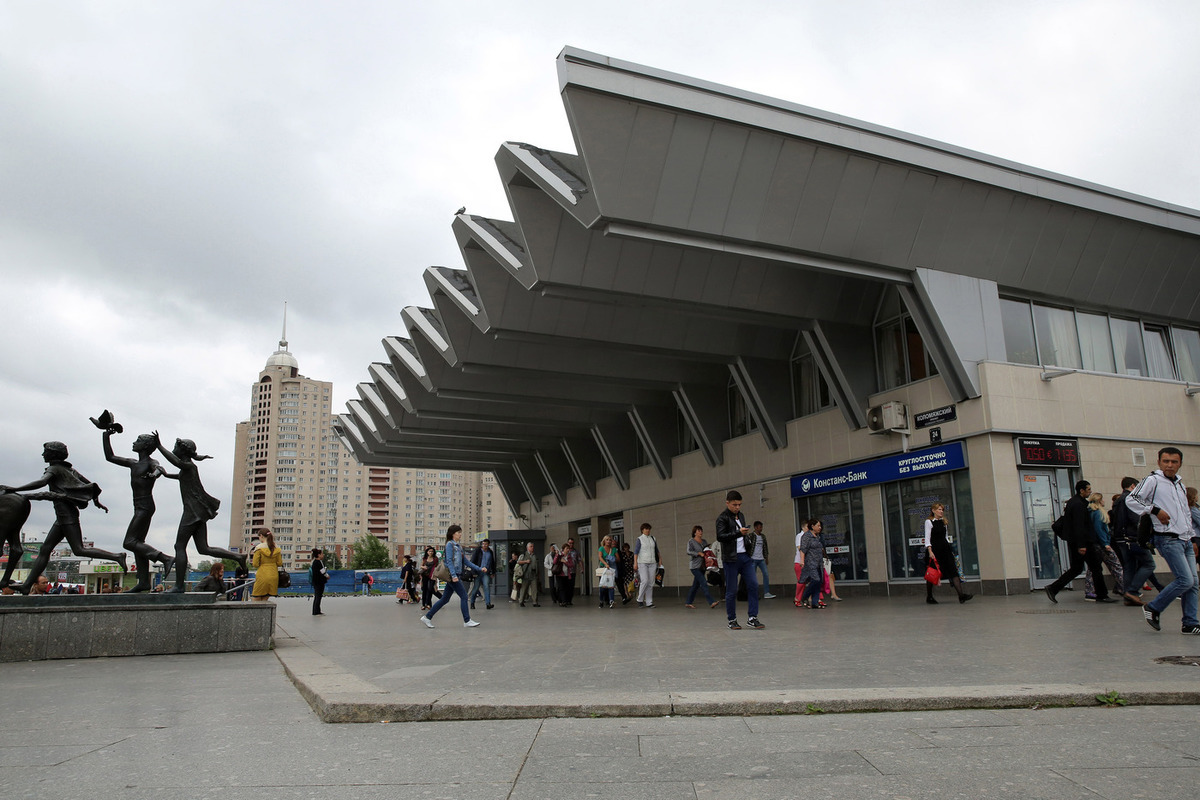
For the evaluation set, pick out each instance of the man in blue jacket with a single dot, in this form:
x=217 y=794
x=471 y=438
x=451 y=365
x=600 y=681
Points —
x=484 y=558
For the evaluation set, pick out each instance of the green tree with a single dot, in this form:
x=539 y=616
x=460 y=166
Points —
x=205 y=566
x=333 y=561
x=369 y=553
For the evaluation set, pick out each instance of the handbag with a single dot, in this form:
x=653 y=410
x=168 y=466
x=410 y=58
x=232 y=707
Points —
x=933 y=575
x=441 y=572
x=285 y=580
x=608 y=577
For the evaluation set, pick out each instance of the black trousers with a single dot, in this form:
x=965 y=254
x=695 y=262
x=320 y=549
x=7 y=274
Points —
x=1091 y=560
x=318 y=593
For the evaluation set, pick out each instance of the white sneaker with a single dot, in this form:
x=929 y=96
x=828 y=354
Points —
x=768 y=596
x=470 y=624
x=428 y=622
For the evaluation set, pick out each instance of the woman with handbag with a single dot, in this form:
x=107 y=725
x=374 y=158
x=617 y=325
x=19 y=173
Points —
x=450 y=571
x=268 y=558
x=608 y=572
x=938 y=554
x=429 y=590
x=810 y=551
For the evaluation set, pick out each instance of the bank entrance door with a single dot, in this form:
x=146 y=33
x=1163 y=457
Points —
x=1042 y=500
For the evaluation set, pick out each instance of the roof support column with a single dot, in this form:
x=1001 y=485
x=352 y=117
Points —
x=947 y=310
x=845 y=354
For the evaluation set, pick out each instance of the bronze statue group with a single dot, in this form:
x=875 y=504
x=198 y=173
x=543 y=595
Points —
x=71 y=492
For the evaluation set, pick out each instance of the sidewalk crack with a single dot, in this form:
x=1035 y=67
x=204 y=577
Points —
x=525 y=759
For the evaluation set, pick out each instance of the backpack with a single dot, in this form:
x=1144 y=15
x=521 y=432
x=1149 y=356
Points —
x=1059 y=526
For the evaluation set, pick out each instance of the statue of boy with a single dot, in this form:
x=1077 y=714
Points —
x=143 y=472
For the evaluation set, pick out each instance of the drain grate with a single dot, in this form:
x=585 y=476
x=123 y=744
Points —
x=1046 y=611
x=1186 y=661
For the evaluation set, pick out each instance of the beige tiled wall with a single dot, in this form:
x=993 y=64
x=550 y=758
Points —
x=1110 y=416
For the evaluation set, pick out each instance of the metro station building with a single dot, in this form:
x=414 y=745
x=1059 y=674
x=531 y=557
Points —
x=720 y=290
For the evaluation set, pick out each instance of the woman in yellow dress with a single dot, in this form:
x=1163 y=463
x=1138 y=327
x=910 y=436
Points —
x=267 y=560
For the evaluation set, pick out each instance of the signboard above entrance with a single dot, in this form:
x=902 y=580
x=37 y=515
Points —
x=882 y=470
x=1047 y=452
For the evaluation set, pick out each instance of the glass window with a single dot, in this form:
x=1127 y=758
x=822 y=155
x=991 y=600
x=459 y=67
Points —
x=1127 y=347
x=1158 y=353
x=889 y=345
x=1058 y=343
x=741 y=421
x=918 y=363
x=842 y=531
x=1019 y=345
x=906 y=507
x=1095 y=342
x=810 y=392
x=687 y=441
x=1187 y=353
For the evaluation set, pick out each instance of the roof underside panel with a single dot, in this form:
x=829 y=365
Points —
x=697 y=236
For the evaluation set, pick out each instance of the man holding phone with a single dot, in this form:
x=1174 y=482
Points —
x=737 y=560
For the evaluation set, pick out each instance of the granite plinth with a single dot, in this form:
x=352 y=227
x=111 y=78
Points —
x=94 y=626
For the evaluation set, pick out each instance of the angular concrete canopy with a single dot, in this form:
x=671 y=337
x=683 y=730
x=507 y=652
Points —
x=696 y=240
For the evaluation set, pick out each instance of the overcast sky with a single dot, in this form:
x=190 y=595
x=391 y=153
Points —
x=172 y=172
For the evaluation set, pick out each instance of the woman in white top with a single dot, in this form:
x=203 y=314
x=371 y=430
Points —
x=645 y=549
x=799 y=562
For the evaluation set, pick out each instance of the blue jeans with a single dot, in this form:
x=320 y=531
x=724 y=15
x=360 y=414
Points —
x=744 y=566
x=1181 y=560
x=1140 y=569
x=760 y=565
x=698 y=582
x=483 y=582
x=452 y=588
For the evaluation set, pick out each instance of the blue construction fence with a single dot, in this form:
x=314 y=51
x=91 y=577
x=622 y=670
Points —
x=341 y=581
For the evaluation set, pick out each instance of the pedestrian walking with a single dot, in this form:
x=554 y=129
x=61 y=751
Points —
x=1163 y=496
x=735 y=557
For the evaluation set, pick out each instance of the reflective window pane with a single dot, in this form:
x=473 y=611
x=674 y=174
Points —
x=1187 y=353
x=1018 y=332
x=1158 y=353
x=1095 y=342
x=1058 y=344
x=1127 y=347
x=889 y=344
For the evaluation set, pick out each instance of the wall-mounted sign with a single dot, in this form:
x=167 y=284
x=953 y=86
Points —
x=1047 y=452
x=882 y=470
x=936 y=416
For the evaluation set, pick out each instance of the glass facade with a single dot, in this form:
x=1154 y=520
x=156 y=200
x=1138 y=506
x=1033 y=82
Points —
x=1061 y=337
x=906 y=507
x=842 y=531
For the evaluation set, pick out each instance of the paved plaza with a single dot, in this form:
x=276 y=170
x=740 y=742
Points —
x=234 y=726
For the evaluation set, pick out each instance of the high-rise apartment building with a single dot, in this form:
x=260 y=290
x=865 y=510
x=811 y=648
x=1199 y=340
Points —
x=293 y=475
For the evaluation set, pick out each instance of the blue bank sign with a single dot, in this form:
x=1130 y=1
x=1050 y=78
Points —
x=882 y=470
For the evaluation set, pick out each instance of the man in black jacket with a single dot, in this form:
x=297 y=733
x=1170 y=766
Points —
x=1137 y=561
x=736 y=551
x=1082 y=542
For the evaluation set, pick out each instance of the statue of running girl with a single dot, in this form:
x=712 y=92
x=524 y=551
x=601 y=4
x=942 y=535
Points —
x=198 y=508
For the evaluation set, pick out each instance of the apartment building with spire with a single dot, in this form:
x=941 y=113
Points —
x=293 y=474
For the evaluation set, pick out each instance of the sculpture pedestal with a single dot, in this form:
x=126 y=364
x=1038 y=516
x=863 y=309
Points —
x=38 y=628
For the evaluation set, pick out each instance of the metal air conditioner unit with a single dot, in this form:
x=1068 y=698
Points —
x=888 y=417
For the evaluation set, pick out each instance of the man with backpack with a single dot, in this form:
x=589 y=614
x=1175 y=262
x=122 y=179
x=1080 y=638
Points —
x=1163 y=496
x=1083 y=545
x=1137 y=560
